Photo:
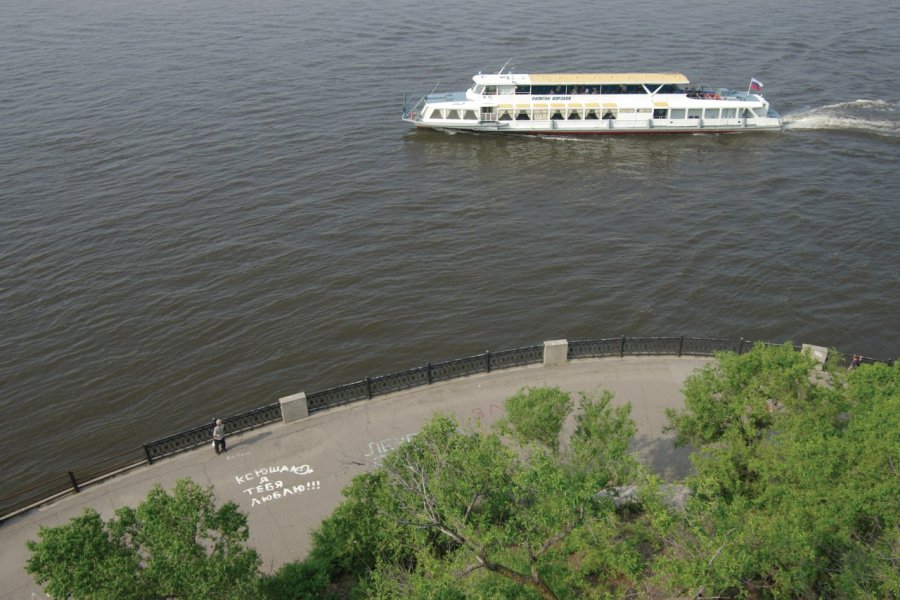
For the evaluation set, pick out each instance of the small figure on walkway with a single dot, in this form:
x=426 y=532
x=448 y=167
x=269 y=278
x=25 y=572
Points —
x=219 y=436
x=857 y=360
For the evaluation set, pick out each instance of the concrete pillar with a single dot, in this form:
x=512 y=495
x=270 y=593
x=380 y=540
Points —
x=556 y=353
x=294 y=408
x=820 y=353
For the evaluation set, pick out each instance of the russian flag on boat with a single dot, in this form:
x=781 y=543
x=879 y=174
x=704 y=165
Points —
x=755 y=85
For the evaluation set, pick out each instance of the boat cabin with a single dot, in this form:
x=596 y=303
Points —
x=571 y=84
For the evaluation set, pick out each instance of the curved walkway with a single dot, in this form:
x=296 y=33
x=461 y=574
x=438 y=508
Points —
x=288 y=477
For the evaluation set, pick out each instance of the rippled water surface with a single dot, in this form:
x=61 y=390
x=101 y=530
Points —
x=207 y=205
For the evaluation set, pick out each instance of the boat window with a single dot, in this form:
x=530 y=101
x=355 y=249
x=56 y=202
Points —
x=729 y=113
x=670 y=89
x=436 y=114
x=659 y=113
x=541 y=90
x=711 y=113
x=610 y=114
x=490 y=90
x=523 y=116
x=747 y=113
x=505 y=115
x=676 y=113
x=557 y=116
x=694 y=113
x=523 y=90
x=477 y=89
x=574 y=115
x=470 y=116
x=644 y=111
x=624 y=89
x=541 y=114
x=591 y=114
x=453 y=114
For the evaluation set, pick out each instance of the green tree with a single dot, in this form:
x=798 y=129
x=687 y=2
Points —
x=599 y=447
x=536 y=415
x=170 y=546
x=458 y=515
x=796 y=482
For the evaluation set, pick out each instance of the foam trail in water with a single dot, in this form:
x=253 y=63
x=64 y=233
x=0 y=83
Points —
x=872 y=116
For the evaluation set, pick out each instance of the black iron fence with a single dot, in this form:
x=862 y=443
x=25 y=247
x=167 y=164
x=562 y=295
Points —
x=72 y=481
x=430 y=373
x=677 y=346
x=198 y=436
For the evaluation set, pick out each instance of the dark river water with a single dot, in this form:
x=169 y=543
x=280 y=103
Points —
x=207 y=205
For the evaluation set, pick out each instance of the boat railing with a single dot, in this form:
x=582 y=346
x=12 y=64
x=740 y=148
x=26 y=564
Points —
x=743 y=95
x=411 y=106
x=705 y=93
x=446 y=97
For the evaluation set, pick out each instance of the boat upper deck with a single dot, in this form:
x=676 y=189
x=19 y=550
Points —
x=577 y=84
x=581 y=79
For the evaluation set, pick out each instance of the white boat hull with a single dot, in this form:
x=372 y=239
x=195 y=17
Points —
x=609 y=127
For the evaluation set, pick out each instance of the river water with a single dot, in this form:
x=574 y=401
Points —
x=207 y=205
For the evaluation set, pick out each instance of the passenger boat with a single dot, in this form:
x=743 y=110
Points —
x=593 y=103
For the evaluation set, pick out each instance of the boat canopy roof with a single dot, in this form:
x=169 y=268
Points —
x=586 y=78
x=581 y=78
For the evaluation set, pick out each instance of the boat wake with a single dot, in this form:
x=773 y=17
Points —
x=870 y=116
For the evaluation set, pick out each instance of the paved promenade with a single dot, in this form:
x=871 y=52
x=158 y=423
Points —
x=288 y=478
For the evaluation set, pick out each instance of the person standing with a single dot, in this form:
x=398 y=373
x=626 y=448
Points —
x=219 y=436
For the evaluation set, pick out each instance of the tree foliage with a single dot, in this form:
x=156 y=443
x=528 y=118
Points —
x=170 y=546
x=497 y=514
x=796 y=480
x=794 y=495
x=536 y=416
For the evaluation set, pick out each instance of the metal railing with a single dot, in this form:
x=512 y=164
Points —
x=677 y=346
x=370 y=387
x=198 y=436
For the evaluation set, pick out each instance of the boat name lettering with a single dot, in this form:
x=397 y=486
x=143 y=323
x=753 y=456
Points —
x=551 y=97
